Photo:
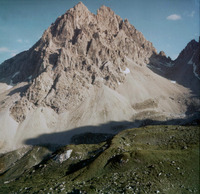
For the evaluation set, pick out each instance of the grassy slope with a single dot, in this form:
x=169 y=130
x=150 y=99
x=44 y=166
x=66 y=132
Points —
x=153 y=159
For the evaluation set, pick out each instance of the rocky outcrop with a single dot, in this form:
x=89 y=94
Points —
x=78 y=50
x=186 y=69
x=85 y=71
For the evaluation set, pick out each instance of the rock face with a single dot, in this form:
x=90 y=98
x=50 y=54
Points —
x=78 y=50
x=85 y=70
x=186 y=70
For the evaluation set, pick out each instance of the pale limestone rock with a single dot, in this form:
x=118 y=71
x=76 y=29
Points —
x=78 y=50
x=86 y=70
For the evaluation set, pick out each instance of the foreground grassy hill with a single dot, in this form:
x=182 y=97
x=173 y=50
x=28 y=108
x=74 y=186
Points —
x=153 y=159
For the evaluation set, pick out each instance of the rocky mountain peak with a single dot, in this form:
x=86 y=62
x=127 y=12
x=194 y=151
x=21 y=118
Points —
x=189 y=53
x=87 y=70
x=188 y=50
x=80 y=7
x=162 y=54
x=105 y=11
x=78 y=51
x=108 y=19
x=79 y=12
x=186 y=70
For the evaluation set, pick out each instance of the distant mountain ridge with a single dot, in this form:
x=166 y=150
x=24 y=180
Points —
x=186 y=70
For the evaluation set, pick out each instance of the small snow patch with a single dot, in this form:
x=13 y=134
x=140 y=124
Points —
x=63 y=157
x=126 y=71
x=9 y=87
x=101 y=79
x=194 y=71
x=30 y=77
x=172 y=81
x=194 y=67
x=15 y=74
x=190 y=61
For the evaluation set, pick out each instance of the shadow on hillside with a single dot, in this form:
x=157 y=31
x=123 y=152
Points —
x=58 y=139
x=100 y=133
x=156 y=65
x=20 y=90
x=175 y=73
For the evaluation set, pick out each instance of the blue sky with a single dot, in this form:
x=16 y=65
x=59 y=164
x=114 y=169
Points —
x=168 y=24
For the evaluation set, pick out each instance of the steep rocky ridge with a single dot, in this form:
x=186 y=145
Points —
x=85 y=70
x=79 y=48
x=186 y=69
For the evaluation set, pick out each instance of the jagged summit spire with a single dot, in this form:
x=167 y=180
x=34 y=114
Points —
x=103 y=7
x=105 y=10
x=79 y=9
x=80 y=6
